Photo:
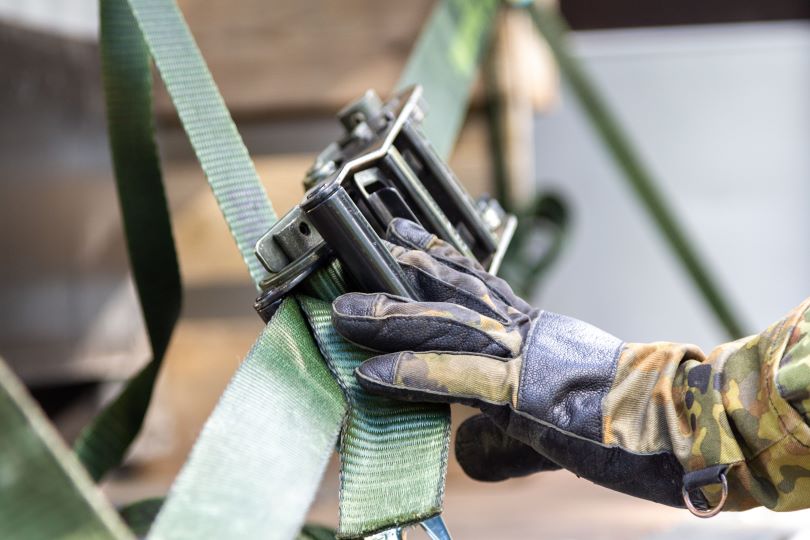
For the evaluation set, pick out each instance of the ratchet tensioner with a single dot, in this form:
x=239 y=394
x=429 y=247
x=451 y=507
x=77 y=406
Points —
x=383 y=168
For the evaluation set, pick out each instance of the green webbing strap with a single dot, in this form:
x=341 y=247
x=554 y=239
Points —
x=44 y=491
x=128 y=89
x=258 y=393
x=259 y=460
x=444 y=61
x=130 y=30
x=393 y=455
x=208 y=124
x=219 y=500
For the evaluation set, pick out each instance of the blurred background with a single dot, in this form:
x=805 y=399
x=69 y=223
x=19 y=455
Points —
x=712 y=94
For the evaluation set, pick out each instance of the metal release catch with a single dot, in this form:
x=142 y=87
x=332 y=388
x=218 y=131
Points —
x=383 y=168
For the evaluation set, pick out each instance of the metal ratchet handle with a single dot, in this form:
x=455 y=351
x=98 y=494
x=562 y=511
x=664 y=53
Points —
x=357 y=245
x=436 y=528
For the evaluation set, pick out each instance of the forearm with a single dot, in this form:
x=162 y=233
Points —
x=745 y=405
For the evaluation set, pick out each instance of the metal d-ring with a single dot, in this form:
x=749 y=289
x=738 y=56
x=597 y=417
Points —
x=710 y=512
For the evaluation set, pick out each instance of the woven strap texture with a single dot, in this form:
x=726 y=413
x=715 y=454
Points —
x=130 y=30
x=44 y=491
x=393 y=455
x=259 y=460
x=208 y=124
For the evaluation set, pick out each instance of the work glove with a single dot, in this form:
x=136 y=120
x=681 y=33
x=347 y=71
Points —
x=539 y=378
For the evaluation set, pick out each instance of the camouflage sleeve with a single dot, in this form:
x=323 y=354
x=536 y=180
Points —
x=746 y=404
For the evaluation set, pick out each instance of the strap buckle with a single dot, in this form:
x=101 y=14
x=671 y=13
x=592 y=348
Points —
x=383 y=168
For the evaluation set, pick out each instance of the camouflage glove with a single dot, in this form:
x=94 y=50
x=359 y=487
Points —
x=540 y=378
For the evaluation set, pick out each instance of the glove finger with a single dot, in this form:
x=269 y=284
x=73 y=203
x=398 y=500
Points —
x=436 y=282
x=410 y=235
x=445 y=377
x=391 y=323
x=488 y=454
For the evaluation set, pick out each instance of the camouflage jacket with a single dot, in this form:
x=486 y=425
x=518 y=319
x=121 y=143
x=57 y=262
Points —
x=747 y=403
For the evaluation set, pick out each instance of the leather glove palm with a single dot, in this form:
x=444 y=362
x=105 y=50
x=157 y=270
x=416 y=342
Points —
x=539 y=377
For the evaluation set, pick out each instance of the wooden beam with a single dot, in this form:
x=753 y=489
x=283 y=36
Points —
x=302 y=57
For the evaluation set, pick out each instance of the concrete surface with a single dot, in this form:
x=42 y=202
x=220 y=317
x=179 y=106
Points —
x=720 y=115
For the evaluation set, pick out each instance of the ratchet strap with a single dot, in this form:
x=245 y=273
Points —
x=259 y=459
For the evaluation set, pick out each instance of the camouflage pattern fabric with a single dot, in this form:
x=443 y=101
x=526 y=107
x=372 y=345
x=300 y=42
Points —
x=557 y=392
x=744 y=405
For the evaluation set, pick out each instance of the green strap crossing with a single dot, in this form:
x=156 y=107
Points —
x=244 y=204
x=246 y=473
x=233 y=484
x=44 y=491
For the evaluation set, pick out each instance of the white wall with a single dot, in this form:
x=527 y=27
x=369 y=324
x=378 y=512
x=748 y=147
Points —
x=74 y=18
x=722 y=117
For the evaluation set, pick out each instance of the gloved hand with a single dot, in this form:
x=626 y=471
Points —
x=540 y=378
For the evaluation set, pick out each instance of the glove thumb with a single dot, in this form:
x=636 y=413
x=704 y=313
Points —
x=487 y=454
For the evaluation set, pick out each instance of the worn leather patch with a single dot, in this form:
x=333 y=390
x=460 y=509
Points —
x=568 y=368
